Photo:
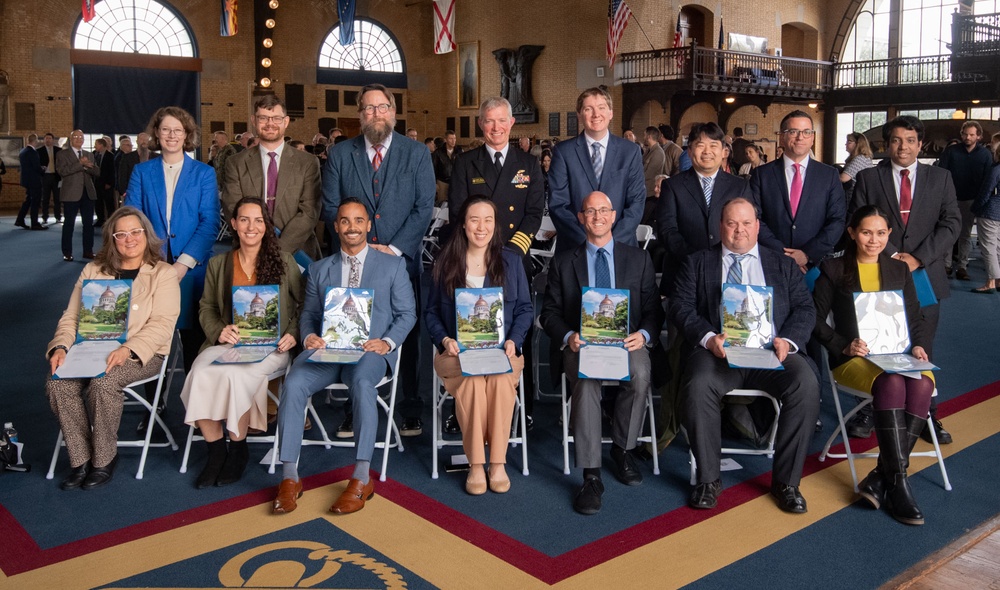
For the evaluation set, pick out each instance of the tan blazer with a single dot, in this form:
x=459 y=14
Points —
x=156 y=303
x=296 y=208
x=77 y=181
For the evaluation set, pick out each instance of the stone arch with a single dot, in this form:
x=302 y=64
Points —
x=701 y=112
x=799 y=40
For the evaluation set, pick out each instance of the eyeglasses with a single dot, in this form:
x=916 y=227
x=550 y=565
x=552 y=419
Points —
x=799 y=132
x=370 y=109
x=273 y=119
x=172 y=132
x=603 y=211
x=135 y=233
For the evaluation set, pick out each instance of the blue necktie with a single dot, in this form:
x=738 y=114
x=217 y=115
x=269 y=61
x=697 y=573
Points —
x=596 y=160
x=735 y=274
x=706 y=186
x=602 y=274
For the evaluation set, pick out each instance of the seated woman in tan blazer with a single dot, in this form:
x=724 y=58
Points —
x=90 y=410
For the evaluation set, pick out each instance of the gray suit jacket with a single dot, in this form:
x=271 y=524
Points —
x=76 y=180
x=296 y=207
x=934 y=220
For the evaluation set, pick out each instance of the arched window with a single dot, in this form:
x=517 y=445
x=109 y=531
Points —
x=135 y=26
x=373 y=57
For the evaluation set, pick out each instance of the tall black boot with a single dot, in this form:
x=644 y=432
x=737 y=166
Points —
x=216 y=458
x=894 y=454
x=872 y=487
x=236 y=463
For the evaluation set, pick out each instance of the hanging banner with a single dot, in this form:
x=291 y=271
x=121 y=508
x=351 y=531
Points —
x=227 y=19
x=444 y=26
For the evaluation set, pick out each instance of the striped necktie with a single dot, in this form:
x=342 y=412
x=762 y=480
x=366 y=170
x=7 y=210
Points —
x=706 y=187
x=735 y=274
x=597 y=161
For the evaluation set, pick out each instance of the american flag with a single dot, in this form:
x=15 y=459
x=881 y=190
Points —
x=87 y=7
x=678 y=41
x=618 y=15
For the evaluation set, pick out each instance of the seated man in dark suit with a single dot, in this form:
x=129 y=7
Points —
x=708 y=376
x=602 y=262
x=392 y=316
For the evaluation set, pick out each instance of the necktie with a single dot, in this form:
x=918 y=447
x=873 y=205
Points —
x=905 y=195
x=377 y=159
x=735 y=274
x=602 y=274
x=272 y=181
x=354 y=279
x=79 y=154
x=795 y=194
x=498 y=162
x=706 y=186
x=597 y=161
x=98 y=159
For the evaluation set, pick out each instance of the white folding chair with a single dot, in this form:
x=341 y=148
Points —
x=261 y=438
x=392 y=438
x=644 y=235
x=432 y=240
x=223 y=226
x=568 y=438
x=843 y=419
x=542 y=256
x=768 y=450
x=134 y=396
x=437 y=426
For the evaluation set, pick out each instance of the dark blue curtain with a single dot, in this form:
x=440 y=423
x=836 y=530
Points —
x=109 y=99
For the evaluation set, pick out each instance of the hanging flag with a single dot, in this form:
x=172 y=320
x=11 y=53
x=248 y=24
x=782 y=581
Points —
x=720 y=67
x=679 y=41
x=227 y=19
x=721 y=34
x=618 y=15
x=88 y=10
x=345 y=10
x=444 y=26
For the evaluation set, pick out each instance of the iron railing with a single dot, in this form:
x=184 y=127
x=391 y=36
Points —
x=975 y=34
x=893 y=72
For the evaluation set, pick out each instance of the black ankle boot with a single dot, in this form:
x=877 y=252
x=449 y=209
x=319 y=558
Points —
x=894 y=441
x=216 y=458
x=236 y=463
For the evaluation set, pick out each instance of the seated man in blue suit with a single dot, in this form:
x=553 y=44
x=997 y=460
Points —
x=708 y=376
x=392 y=316
x=801 y=200
x=595 y=160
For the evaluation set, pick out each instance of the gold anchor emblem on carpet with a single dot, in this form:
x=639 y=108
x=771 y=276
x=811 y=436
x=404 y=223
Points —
x=289 y=573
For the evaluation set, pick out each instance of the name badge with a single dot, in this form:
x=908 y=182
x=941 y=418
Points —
x=478 y=181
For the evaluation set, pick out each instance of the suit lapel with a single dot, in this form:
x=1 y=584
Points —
x=580 y=268
x=779 y=179
x=692 y=182
x=288 y=172
x=254 y=173
x=160 y=194
x=486 y=168
x=584 y=155
x=917 y=193
x=363 y=166
x=622 y=268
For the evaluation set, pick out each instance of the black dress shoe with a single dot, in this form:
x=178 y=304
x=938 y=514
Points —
x=21 y=225
x=346 y=428
x=88 y=255
x=962 y=275
x=588 y=499
x=38 y=227
x=411 y=427
x=943 y=436
x=861 y=425
x=68 y=257
x=625 y=469
x=705 y=495
x=788 y=497
x=451 y=425
x=75 y=477
x=99 y=476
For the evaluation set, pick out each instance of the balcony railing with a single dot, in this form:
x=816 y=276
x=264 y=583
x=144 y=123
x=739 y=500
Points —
x=894 y=72
x=721 y=68
x=975 y=34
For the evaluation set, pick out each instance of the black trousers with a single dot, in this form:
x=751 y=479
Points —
x=105 y=204
x=50 y=190
x=32 y=198
x=85 y=207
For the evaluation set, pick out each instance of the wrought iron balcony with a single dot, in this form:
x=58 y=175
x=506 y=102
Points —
x=975 y=34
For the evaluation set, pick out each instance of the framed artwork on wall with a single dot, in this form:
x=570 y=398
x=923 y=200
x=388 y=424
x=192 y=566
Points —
x=468 y=75
x=10 y=147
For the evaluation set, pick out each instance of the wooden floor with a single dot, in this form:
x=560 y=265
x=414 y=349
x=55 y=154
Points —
x=972 y=561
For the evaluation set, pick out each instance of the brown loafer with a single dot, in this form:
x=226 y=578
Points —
x=289 y=491
x=354 y=497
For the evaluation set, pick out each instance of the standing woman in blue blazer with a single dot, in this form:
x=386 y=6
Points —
x=181 y=198
x=484 y=405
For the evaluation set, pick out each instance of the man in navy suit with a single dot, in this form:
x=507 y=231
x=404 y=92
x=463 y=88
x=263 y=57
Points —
x=801 y=200
x=688 y=212
x=924 y=217
x=104 y=160
x=624 y=267
x=31 y=180
x=595 y=160
x=708 y=377
x=392 y=317
x=394 y=178
x=50 y=179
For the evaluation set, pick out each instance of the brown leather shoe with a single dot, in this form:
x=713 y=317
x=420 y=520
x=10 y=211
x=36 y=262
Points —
x=354 y=497
x=289 y=491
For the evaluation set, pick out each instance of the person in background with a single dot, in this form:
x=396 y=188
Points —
x=969 y=163
x=986 y=208
x=77 y=194
x=859 y=156
x=32 y=173
x=754 y=158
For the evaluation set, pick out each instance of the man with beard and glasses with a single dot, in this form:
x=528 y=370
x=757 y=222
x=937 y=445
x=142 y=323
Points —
x=394 y=178
x=287 y=180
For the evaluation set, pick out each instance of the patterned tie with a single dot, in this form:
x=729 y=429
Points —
x=795 y=194
x=706 y=187
x=354 y=279
x=377 y=159
x=905 y=195
x=735 y=274
x=602 y=274
x=498 y=162
x=272 y=181
x=597 y=161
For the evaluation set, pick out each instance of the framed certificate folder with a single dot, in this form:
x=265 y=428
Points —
x=347 y=320
x=257 y=315
x=747 y=313
x=604 y=315
x=481 y=331
x=883 y=327
x=102 y=327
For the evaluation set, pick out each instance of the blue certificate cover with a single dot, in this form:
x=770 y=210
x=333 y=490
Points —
x=102 y=327
x=604 y=315
x=257 y=314
x=479 y=320
x=747 y=313
x=347 y=320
